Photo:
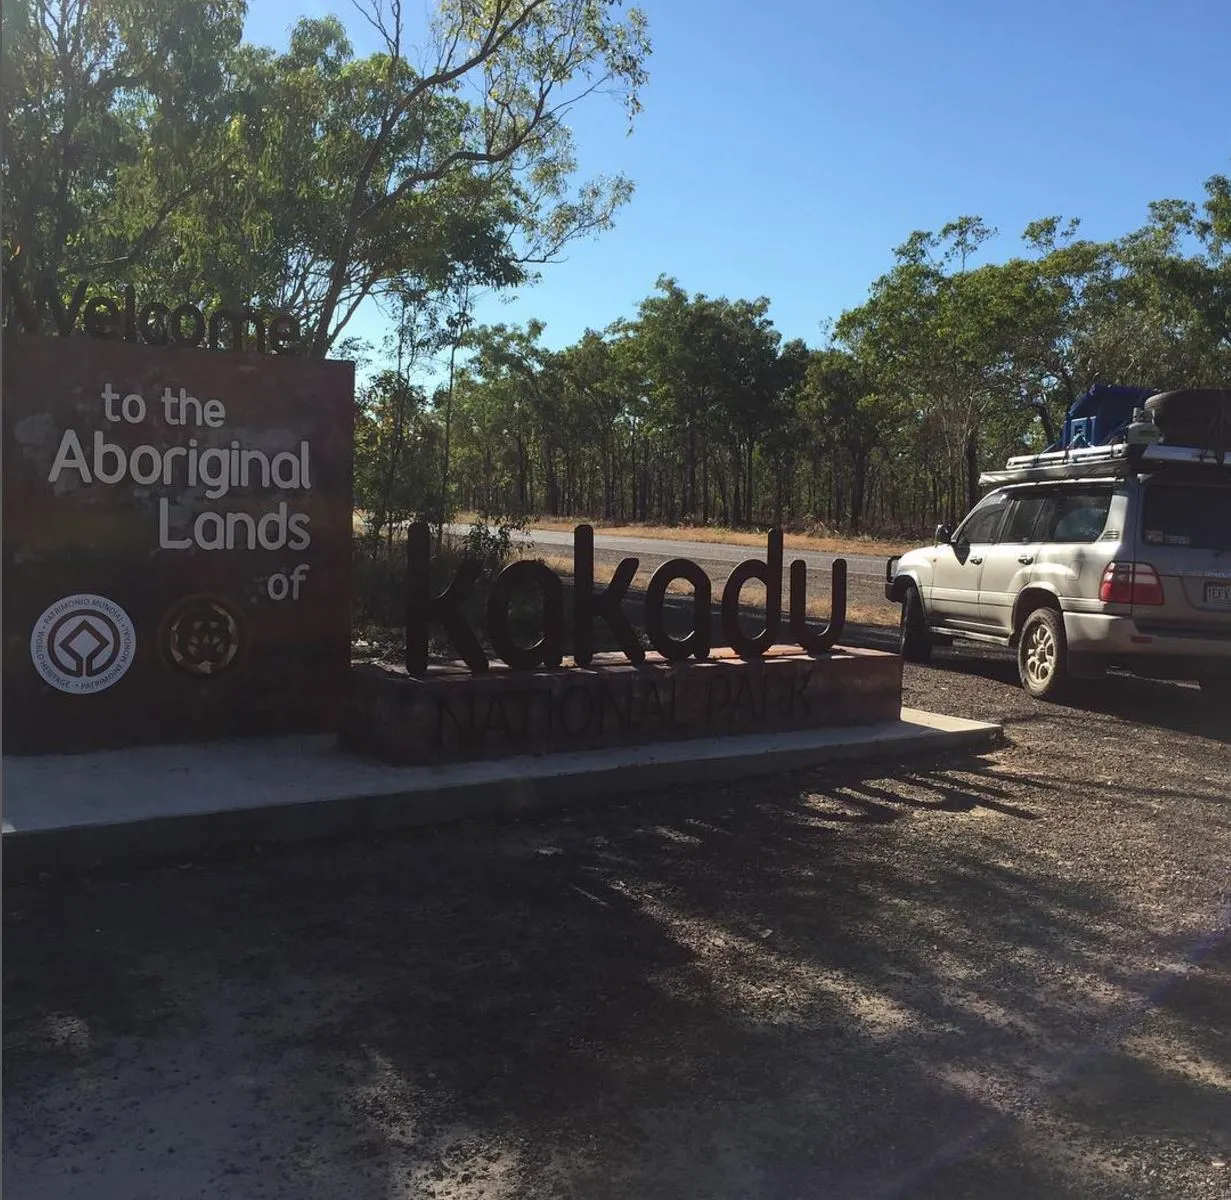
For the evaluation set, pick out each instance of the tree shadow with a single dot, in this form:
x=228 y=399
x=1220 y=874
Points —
x=758 y=991
x=1151 y=703
x=1172 y=1071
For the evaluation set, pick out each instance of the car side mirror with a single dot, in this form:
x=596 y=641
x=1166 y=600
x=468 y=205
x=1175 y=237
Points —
x=944 y=535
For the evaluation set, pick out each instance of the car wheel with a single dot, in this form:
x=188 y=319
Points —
x=1042 y=655
x=914 y=637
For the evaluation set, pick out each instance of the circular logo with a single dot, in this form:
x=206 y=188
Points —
x=201 y=635
x=83 y=644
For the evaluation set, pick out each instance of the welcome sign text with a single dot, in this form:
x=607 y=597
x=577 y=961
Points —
x=217 y=470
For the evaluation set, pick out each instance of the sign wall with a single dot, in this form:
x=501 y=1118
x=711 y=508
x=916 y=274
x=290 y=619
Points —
x=177 y=539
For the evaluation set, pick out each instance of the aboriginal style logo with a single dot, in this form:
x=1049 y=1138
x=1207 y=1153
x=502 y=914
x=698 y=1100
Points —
x=201 y=635
x=83 y=644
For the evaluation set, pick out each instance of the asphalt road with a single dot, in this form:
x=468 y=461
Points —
x=857 y=565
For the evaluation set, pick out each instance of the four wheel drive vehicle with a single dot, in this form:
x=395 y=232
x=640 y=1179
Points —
x=1107 y=556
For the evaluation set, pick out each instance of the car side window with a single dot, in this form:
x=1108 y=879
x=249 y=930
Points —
x=1077 y=516
x=983 y=524
x=1023 y=521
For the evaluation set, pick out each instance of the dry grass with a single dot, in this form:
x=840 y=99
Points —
x=727 y=537
x=859 y=611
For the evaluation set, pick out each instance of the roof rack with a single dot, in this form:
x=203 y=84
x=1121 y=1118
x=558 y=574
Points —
x=1097 y=462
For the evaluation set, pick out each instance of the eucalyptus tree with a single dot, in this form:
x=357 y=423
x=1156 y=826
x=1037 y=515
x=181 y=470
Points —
x=145 y=142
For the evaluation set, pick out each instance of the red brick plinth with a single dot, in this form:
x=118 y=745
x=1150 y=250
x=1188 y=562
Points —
x=452 y=715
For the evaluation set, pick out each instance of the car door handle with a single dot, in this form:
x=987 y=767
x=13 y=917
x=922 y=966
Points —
x=1025 y=559
x=976 y=559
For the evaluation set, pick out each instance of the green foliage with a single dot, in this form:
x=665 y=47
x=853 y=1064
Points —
x=694 y=411
x=397 y=449
x=144 y=143
x=115 y=113
x=490 y=544
x=380 y=571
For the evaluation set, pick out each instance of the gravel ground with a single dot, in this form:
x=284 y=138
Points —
x=1004 y=977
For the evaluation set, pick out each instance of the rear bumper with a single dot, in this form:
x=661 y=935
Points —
x=1104 y=636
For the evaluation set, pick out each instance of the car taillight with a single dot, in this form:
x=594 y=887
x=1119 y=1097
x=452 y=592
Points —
x=1131 y=583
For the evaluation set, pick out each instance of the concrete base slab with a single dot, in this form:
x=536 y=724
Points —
x=76 y=812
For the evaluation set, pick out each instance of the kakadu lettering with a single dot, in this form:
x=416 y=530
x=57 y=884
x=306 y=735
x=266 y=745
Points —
x=423 y=609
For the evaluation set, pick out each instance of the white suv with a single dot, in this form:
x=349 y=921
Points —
x=1084 y=573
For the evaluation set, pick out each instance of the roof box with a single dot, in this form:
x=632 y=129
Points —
x=1193 y=417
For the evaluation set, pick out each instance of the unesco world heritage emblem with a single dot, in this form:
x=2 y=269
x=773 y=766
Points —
x=201 y=635
x=83 y=644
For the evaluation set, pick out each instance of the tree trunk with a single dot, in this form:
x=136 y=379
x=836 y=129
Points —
x=748 y=486
x=608 y=479
x=522 y=473
x=972 y=469
x=690 y=481
x=859 y=467
x=705 y=486
x=632 y=475
x=1049 y=428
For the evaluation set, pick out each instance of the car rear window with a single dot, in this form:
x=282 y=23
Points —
x=1076 y=516
x=1194 y=516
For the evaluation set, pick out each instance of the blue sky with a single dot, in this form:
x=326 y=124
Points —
x=785 y=149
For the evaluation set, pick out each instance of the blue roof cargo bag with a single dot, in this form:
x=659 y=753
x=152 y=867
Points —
x=1097 y=417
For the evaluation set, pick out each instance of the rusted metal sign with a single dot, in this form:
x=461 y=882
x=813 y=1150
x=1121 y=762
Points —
x=177 y=541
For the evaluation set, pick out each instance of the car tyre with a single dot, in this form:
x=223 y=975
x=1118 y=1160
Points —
x=1042 y=655
x=914 y=637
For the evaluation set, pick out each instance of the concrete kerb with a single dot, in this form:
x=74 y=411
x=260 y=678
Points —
x=77 y=812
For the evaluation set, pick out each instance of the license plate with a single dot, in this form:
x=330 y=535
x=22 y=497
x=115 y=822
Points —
x=1218 y=594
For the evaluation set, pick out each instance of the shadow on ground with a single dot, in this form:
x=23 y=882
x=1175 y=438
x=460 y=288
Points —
x=764 y=992
x=1119 y=699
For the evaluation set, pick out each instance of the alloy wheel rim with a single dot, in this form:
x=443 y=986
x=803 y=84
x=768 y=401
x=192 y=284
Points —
x=1040 y=654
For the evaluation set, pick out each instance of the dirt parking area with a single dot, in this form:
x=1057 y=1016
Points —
x=1003 y=977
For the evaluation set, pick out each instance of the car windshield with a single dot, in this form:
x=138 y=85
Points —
x=1194 y=516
